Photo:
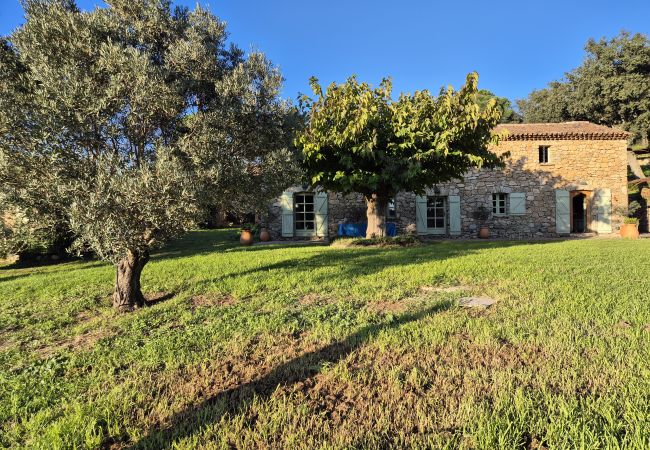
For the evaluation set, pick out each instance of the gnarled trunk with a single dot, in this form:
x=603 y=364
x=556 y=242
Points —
x=376 y=213
x=127 y=294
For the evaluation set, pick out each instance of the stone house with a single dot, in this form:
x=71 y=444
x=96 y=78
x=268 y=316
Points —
x=560 y=178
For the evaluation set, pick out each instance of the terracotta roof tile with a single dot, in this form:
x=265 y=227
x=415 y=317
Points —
x=560 y=131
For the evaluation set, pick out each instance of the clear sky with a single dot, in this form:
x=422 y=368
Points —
x=515 y=46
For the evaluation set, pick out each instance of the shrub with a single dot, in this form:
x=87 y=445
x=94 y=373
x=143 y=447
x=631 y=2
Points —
x=402 y=240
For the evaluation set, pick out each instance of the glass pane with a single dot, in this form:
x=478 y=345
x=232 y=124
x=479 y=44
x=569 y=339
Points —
x=431 y=223
x=440 y=223
x=309 y=225
x=309 y=206
x=300 y=225
x=300 y=207
x=300 y=199
x=309 y=216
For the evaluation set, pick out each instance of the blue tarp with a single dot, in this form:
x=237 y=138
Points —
x=359 y=229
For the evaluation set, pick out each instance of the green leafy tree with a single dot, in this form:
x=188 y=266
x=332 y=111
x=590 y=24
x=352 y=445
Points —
x=508 y=114
x=123 y=123
x=611 y=87
x=357 y=139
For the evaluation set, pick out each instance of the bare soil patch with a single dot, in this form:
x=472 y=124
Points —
x=83 y=341
x=419 y=390
x=212 y=300
x=313 y=299
x=387 y=306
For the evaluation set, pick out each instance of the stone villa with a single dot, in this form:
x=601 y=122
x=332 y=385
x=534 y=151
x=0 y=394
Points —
x=560 y=178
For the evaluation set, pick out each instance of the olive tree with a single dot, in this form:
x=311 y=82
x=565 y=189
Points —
x=124 y=122
x=358 y=139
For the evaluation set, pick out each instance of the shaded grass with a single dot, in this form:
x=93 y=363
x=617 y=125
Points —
x=312 y=346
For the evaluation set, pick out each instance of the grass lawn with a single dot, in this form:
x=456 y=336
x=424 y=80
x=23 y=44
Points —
x=326 y=347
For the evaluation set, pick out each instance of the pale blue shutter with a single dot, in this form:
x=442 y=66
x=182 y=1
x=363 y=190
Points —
x=320 y=207
x=517 y=203
x=603 y=200
x=421 y=214
x=286 y=204
x=562 y=212
x=454 y=215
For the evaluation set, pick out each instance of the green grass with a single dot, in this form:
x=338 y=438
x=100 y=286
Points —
x=329 y=347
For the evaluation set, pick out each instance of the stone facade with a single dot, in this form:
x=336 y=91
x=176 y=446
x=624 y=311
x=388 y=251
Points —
x=588 y=163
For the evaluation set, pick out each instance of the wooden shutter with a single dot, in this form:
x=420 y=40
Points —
x=603 y=201
x=517 y=203
x=562 y=212
x=286 y=204
x=421 y=214
x=320 y=208
x=454 y=215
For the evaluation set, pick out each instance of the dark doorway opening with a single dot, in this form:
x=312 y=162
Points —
x=579 y=213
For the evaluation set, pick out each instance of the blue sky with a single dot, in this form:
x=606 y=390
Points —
x=515 y=46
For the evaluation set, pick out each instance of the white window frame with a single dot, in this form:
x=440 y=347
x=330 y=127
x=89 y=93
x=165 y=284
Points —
x=300 y=213
x=499 y=202
x=435 y=217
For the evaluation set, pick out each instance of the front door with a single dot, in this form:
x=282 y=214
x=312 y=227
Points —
x=580 y=208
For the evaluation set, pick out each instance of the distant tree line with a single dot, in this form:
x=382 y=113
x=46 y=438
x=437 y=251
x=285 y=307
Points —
x=611 y=87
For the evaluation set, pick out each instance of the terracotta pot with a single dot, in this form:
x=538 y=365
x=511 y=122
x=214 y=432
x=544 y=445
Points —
x=246 y=237
x=484 y=233
x=265 y=236
x=629 y=231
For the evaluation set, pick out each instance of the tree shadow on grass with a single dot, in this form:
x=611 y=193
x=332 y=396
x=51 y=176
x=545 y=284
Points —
x=237 y=399
x=47 y=269
x=348 y=263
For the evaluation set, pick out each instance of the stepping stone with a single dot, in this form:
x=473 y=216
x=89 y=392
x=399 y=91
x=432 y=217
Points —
x=477 y=302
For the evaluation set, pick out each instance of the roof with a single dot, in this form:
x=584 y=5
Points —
x=581 y=130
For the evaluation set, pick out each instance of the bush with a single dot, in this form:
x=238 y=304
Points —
x=402 y=240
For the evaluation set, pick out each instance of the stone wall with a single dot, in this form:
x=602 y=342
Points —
x=585 y=165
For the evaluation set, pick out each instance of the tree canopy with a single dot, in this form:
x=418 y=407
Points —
x=611 y=87
x=508 y=113
x=358 y=139
x=121 y=124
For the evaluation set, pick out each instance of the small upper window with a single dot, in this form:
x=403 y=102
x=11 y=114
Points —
x=499 y=204
x=543 y=154
x=391 y=212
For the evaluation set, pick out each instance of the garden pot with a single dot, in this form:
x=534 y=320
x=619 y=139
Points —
x=484 y=233
x=265 y=236
x=246 y=237
x=629 y=231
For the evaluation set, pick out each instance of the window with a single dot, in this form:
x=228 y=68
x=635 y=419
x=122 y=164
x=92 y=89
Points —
x=436 y=213
x=391 y=212
x=499 y=204
x=304 y=212
x=543 y=154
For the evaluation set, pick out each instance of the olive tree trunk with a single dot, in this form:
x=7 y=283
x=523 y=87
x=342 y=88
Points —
x=127 y=294
x=376 y=213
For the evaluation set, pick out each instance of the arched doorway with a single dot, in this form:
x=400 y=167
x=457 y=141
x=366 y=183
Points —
x=580 y=211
